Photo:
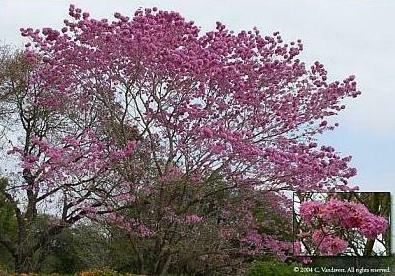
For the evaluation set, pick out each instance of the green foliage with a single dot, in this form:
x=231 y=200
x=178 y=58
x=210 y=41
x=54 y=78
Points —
x=63 y=255
x=7 y=216
x=8 y=226
x=271 y=268
x=3 y=269
x=103 y=272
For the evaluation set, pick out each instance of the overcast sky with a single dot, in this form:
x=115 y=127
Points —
x=347 y=36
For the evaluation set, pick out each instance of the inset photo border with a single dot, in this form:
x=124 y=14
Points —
x=342 y=224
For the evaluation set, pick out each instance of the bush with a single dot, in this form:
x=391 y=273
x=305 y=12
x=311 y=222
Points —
x=103 y=272
x=271 y=268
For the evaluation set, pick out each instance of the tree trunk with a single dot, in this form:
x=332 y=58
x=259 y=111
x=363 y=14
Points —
x=165 y=266
x=374 y=208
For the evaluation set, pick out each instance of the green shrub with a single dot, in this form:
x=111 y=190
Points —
x=271 y=268
x=103 y=272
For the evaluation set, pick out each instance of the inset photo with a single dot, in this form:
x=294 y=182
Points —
x=342 y=224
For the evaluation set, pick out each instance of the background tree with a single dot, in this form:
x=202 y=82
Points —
x=63 y=160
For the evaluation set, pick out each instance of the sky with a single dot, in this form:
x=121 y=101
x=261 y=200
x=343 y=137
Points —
x=347 y=36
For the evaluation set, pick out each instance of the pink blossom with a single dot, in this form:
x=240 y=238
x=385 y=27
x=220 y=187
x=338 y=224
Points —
x=193 y=219
x=309 y=209
x=207 y=132
x=335 y=216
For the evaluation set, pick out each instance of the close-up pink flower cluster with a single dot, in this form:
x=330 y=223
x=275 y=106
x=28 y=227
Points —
x=328 y=221
x=329 y=244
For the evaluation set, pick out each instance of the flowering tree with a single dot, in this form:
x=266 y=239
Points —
x=339 y=226
x=224 y=123
x=62 y=160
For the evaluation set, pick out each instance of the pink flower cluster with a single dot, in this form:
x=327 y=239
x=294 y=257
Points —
x=193 y=219
x=349 y=215
x=132 y=226
x=327 y=220
x=329 y=244
x=70 y=159
x=282 y=249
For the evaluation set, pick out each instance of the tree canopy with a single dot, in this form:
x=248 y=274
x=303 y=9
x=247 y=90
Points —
x=184 y=141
